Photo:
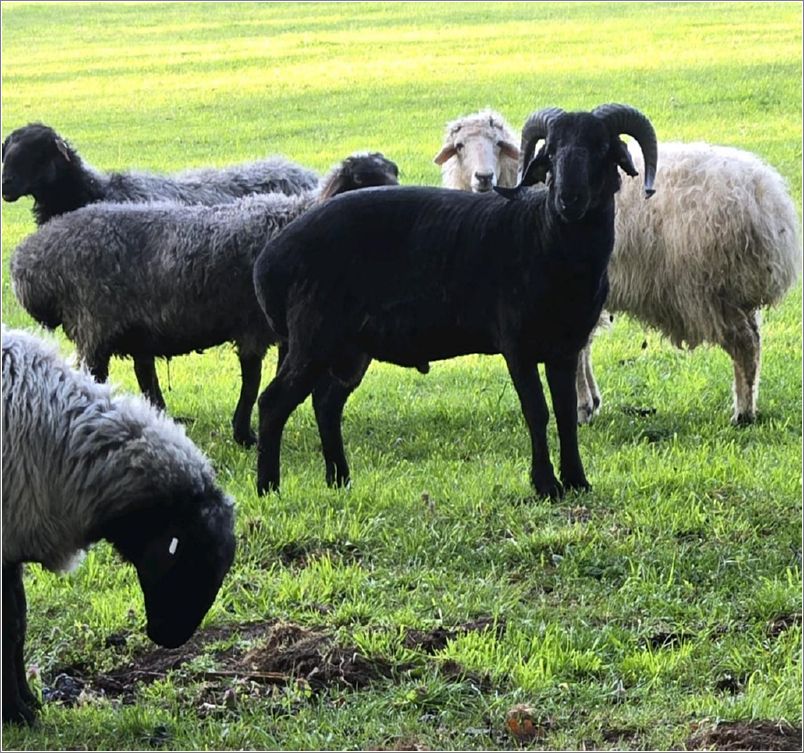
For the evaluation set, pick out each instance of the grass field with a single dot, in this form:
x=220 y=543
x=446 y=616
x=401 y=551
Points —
x=635 y=616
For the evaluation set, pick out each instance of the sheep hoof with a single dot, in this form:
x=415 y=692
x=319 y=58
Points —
x=248 y=439
x=14 y=713
x=581 y=486
x=744 y=419
x=551 y=489
x=585 y=414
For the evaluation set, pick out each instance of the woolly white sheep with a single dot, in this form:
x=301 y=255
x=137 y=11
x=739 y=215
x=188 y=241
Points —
x=81 y=464
x=479 y=152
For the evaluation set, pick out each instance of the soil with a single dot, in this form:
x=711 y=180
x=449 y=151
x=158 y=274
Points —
x=275 y=653
x=430 y=641
x=757 y=735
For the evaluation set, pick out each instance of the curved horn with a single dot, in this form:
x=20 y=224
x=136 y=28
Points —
x=535 y=128
x=626 y=119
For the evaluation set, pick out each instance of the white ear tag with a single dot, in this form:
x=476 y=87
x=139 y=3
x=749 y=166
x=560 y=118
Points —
x=174 y=543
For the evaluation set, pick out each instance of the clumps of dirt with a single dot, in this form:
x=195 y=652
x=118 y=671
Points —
x=757 y=735
x=619 y=734
x=783 y=622
x=638 y=411
x=430 y=641
x=526 y=724
x=292 y=650
x=65 y=687
x=302 y=553
x=667 y=639
x=279 y=654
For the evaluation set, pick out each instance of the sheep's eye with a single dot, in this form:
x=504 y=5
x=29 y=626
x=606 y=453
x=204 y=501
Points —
x=459 y=146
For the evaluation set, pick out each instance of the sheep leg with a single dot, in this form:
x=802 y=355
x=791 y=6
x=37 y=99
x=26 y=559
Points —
x=743 y=343
x=329 y=399
x=279 y=399
x=145 y=371
x=597 y=400
x=250 y=374
x=586 y=407
x=525 y=377
x=98 y=366
x=561 y=375
x=17 y=698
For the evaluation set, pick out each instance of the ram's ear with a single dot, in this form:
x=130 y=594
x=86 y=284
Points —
x=64 y=150
x=623 y=158
x=508 y=149
x=446 y=153
x=536 y=171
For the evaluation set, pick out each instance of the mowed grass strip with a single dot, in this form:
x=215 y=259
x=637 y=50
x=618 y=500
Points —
x=630 y=617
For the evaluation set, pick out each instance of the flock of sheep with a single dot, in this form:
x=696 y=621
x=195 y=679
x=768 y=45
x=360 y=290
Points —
x=338 y=270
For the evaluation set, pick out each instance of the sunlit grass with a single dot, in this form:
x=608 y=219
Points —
x=692 y=528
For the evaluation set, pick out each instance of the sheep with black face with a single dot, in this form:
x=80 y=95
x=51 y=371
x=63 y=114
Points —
x=38 y=162
x=410 y=275
x=81 y=464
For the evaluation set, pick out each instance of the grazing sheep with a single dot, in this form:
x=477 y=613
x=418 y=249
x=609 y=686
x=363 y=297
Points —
x=698 y=263
x=150 y=280
x=38 y=162
x=479 y=152
x=409 y=275
x=80 y=465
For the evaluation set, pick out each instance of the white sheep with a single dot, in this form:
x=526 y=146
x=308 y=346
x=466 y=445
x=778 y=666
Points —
x=718 y=242
x=81 y=464
x=697 y=262
x=479 y=152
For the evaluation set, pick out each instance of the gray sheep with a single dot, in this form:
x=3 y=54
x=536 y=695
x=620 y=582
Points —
x=80 y=465
x=154 y=280
x=38 y=162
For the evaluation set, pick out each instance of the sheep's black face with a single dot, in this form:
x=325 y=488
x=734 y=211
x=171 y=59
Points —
x=369 y=170
x=181 y=569
x=578 y=153
x=31 y=159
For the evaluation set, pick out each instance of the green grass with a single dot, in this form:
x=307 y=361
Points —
x=692 y=528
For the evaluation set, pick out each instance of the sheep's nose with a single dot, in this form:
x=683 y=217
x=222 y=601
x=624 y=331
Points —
x=569 y=200
x=484 y=178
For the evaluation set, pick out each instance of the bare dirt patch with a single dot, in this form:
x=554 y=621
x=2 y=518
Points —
x=783 y=622
x=430 y=641
x=758 y=735
x=272 y=653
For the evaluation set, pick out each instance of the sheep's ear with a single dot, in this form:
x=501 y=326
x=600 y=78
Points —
x=509 y=149
x=536 y=171
x=64 y=150
x=623 y=157
x=446 y=153
x=333 y=187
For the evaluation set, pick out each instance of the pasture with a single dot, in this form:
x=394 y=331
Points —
x=417 y=609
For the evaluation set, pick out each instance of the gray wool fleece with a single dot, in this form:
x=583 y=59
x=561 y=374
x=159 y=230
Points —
x=74 y=454
x=181 y=273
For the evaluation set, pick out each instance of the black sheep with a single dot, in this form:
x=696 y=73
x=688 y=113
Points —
x=410 y=275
